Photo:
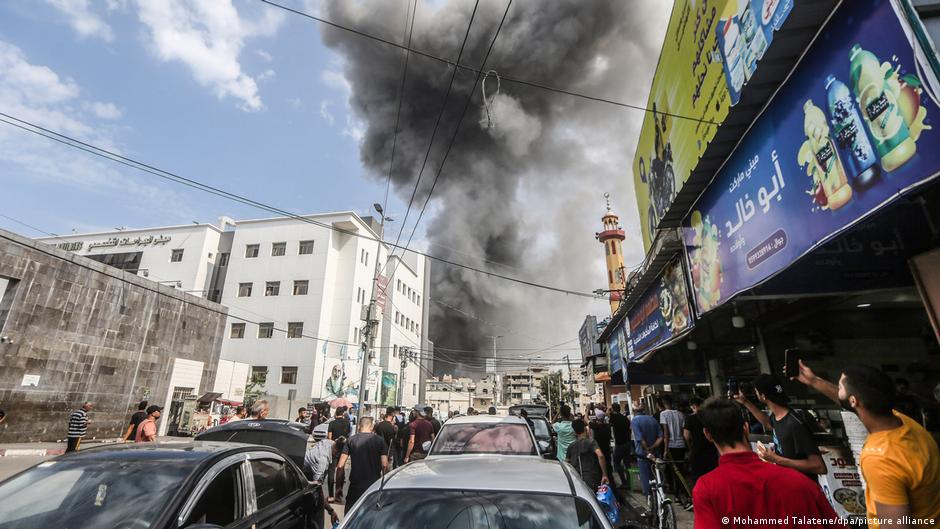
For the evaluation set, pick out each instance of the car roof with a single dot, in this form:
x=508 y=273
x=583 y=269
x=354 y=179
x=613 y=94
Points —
x=523 y=474
x=191 y=451
x=485 y=419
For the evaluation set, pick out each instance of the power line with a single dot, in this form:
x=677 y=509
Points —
x=158 y=292
x=502 y=76
x=459 y=122
x=401 y=97
x=173 y=177
x=437 y=123
x=30 y=226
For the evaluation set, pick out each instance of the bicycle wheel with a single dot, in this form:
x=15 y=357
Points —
x=668 y=517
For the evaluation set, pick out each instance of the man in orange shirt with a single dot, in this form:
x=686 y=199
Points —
x=900 y=460
x=147 y=431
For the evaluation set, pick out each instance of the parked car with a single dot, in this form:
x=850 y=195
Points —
x=540 y=410
x=292 y=438
x=544 y=436
x=484 y=434
x=190 y=485
x=487 y=491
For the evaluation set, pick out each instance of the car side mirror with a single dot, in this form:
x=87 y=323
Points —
x=544 y=446
x=426 y=446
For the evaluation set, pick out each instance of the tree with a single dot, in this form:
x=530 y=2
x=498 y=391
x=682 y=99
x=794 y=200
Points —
x=550 y=387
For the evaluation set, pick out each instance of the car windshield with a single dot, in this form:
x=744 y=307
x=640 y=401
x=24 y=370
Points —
x=397 y=509
x=89 y=494
x=496 y=438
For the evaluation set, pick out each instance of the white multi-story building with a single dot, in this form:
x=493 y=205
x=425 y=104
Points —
x=296 y=293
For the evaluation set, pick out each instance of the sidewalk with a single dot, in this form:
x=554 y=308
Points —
x=56 y=448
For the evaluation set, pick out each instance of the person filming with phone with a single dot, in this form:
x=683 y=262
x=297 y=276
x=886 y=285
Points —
x=793 y=446
x=900 y=460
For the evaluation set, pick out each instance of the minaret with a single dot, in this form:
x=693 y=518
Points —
x=612 y=238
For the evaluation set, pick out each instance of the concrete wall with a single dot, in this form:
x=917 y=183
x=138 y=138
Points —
x=90 y=332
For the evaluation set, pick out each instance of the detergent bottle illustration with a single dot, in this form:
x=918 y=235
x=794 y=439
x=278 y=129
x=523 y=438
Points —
x=879 y=105
x=818 y=154
x=855 y=149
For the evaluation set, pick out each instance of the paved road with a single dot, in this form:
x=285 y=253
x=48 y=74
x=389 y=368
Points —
x=12 y=465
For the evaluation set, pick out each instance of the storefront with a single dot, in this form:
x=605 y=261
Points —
x=816 y=230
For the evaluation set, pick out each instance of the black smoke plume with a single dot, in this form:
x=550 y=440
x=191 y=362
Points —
x=521 y=191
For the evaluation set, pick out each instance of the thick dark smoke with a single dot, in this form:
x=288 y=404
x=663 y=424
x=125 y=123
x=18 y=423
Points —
x=521 y=195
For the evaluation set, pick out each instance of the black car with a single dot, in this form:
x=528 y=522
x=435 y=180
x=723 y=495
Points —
x=545 y=436
x=170 y=486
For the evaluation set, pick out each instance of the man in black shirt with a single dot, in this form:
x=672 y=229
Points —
x=138 y=417
x=386 y=430
x=367 y=451
x=703 y=456
x=587 y=458
x=339 y=426
x=404 y=434
x=620 y=425
x=435 y=424
x=602 y=434
x=794 y=446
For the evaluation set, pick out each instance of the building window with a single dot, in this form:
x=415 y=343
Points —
x=397 y=315
x=419 y=300
x=306 y=248
x=289 y=375
x=610 y=277
x=238 y=331
x=300 y=287
x=251 y=251
x=399 y=285
x=272 y=288
x=613 y=248
x=259 y=374
x=394 y=351
x=265 y=330
x=278 y=249
x=418 y=328
x=356 y=335
x=414 y=389
x=215 y=295
x=223 y=259
x=176 y=256
x=244 y=290
x=295 y=329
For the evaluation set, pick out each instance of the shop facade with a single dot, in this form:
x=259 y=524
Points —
x=803 y=215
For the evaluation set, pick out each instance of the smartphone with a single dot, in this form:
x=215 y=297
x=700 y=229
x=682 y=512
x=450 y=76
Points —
x=791 y=365
x=733 y=387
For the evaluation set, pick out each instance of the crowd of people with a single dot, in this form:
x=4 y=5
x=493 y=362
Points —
x=713 y=469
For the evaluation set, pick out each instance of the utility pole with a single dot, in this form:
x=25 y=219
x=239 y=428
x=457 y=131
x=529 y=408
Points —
x=372 y=321
x=403 y=352
x=570 y=382
x=496 y=386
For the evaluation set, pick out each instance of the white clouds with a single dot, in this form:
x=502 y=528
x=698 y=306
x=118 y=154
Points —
x=38 y=94
x=354 y=127
x=325 y=112
x=265 y=56
x=103 y=110
x=208 y=36
x=85 y=22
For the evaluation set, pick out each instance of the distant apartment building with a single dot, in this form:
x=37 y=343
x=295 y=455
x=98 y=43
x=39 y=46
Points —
x=521 y=387
x=296 y=290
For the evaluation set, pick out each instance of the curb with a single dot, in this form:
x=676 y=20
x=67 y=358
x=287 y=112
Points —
x=35 y=452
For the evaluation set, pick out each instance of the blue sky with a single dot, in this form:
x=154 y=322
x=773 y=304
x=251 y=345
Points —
x=238 y=95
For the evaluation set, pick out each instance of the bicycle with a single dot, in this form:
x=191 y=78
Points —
x=661 y=511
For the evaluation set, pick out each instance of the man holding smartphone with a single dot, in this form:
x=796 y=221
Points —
x=794 y=446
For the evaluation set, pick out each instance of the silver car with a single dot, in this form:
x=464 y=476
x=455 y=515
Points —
x=455 y=492
x=485 y=434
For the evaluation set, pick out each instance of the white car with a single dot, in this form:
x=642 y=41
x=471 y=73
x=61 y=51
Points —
x=485 y=434
x=504 y=492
